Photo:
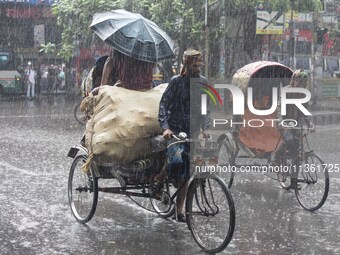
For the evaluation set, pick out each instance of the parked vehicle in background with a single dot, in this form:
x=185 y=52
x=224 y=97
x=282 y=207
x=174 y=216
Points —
x=10 y=78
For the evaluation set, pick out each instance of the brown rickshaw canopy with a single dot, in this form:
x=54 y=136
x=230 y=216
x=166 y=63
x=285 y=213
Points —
x=260 y=69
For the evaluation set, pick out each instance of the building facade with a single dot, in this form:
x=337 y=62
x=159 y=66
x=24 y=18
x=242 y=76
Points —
x=25 y=26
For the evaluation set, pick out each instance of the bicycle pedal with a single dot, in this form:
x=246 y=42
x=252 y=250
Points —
x=282 y=178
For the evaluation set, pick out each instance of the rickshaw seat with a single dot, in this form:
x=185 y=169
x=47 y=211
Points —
x=263 y=139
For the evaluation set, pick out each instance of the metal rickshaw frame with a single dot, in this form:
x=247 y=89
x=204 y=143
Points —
x=200 y=202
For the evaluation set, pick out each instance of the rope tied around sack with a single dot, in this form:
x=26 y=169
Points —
x=88 y=105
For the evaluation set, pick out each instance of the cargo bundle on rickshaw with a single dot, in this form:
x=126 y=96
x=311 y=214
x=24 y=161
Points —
x=122 y=123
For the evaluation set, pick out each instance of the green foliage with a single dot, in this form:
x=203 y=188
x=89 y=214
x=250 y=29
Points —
x=74 y=17
x=183 y=20
x=176 y=17
x=307 y=5
x=234 y=4
x=47 y=48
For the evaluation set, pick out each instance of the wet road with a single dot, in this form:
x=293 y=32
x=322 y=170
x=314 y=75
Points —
x=36 y=219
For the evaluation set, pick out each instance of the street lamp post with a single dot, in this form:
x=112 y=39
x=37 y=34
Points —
x=314 y=85
x=206 y=56
x=292 y=37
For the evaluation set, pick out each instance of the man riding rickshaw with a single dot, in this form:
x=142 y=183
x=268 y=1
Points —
x=122 y=138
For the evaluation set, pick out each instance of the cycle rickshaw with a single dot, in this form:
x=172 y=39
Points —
x=298 y=167
x=210 y=210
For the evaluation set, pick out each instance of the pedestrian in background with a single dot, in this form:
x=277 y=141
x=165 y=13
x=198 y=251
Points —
x=44 y=78
x=61 y=78
x=31 y=74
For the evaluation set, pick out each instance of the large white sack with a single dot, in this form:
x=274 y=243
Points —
x=122 y=123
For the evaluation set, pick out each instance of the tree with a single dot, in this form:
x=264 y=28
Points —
x=183 y=20
x=48 y=48
x=74 y=17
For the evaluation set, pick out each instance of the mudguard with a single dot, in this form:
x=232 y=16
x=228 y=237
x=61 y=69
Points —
x=72 y=153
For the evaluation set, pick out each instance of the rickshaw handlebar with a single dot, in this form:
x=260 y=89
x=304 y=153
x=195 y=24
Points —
x=180 y=138
x=308 y=127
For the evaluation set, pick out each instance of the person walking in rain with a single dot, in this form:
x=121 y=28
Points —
x=175 y=117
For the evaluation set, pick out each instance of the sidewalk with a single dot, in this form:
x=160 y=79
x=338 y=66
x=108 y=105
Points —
x=327 y=104
x=326 y=112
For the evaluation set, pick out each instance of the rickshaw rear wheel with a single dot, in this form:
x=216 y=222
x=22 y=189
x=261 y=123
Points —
x=226 y=160
x=312 y=183
x=79 y=115
x=82 y=190
x=210 y=212
x=163 y=204
x=283 y=177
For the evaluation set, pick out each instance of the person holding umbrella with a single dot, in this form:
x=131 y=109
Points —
x=175 y=116
x=138 y=44
x=132 y=73
x=108 y=68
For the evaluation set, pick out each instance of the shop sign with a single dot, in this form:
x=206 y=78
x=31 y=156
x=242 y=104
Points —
x=31 y=2
x=269 y=23
x=28 y=13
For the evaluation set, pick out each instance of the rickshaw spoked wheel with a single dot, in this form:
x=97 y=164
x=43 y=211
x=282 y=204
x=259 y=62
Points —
x=312 y=183
x=79 y=115
x=210 y=212
x=161 y=201
x=226 y=158
x=82 y=190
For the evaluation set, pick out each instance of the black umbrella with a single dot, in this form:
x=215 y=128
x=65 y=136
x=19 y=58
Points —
x=133 y=35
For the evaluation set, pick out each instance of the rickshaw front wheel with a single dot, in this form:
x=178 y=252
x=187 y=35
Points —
x=210 y=212
x=226 y=160
x=312 y=183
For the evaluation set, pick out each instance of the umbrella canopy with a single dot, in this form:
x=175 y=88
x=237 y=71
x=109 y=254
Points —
x=133 y=35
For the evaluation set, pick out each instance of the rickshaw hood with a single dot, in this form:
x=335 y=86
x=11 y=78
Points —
x=243 y=75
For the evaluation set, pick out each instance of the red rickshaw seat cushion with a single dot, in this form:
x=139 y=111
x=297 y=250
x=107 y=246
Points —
x=260 y=139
